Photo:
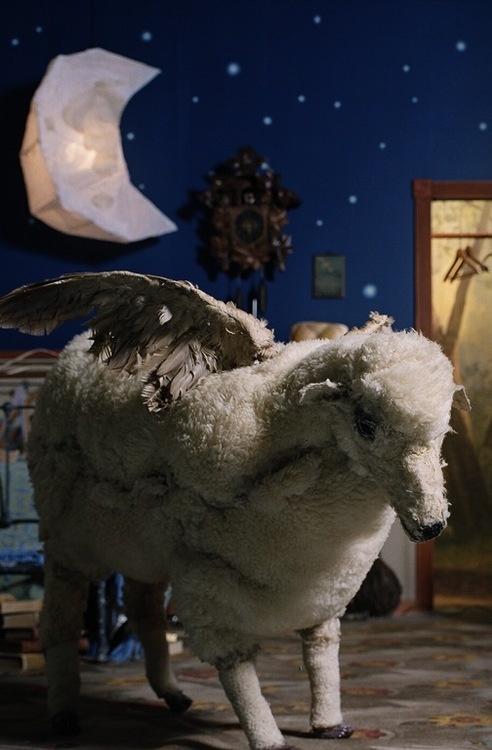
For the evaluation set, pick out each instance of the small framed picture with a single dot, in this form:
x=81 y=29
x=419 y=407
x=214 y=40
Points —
x=329 y=276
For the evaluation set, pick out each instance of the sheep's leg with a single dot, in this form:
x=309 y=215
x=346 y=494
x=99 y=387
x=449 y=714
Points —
x=145 y=608
x=65 y=600
x=320 y=646
x=242 y=687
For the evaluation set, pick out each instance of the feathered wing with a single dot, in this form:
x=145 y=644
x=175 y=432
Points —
x=168 y=333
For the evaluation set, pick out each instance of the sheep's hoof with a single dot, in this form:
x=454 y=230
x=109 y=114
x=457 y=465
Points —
x=338 y=732
x=177 y=702
x=65 y=723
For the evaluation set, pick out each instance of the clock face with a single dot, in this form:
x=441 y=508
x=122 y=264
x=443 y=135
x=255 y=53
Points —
x=249 y=225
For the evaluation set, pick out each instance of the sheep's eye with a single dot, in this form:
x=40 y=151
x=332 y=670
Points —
x=365 y=427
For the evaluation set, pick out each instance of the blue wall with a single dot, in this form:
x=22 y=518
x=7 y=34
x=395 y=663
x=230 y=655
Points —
x=362 y=96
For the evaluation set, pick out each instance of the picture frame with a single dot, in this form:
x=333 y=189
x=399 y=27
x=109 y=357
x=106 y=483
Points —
x=328 y=276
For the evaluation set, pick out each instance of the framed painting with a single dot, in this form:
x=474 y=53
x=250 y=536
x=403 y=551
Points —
x=329 y=276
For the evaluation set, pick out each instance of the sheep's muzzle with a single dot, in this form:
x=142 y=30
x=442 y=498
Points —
x=425 y=532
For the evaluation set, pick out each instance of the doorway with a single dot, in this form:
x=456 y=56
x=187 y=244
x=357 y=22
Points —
x=453 y=295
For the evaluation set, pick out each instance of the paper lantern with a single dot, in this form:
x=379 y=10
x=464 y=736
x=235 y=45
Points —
x=72 y=159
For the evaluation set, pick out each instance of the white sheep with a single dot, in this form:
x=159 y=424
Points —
x=260 y=479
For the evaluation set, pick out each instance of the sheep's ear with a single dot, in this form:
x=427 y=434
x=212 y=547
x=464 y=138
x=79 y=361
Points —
x=460 y=399
x=316 y=392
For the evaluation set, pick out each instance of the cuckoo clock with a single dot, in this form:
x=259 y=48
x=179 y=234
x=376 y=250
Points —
x=248 y=212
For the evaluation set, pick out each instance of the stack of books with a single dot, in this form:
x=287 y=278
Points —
x=20 y=650
x=20 y=647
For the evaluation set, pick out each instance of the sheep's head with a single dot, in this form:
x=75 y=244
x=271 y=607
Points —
x=389 y=396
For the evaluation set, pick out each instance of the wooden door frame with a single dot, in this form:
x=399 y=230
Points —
x=424 y=192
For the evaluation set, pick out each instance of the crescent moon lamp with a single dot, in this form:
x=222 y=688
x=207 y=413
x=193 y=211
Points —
x=76 y=176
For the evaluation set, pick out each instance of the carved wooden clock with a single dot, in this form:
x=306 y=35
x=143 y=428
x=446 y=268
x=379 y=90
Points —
x=249 y=209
